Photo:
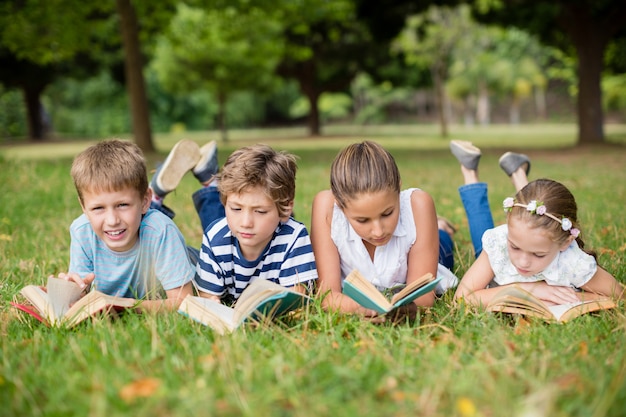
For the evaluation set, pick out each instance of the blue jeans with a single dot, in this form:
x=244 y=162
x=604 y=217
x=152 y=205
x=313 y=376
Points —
x=446 y=250
x=476 y=203
x=209 y=208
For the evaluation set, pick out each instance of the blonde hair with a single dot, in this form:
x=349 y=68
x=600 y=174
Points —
x=360 y=168
x=111 y=165
x=260 y=166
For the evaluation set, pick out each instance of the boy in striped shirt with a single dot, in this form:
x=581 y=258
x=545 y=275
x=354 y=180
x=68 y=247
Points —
x=245 y=211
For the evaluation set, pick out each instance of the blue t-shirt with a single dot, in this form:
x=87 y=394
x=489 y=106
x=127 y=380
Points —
x=158 y=261
x=287 y=260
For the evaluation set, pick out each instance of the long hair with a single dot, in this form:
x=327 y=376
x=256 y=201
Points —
x=360 y=168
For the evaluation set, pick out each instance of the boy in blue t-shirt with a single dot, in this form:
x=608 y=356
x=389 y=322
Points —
x=119 y=245
x=245 y=212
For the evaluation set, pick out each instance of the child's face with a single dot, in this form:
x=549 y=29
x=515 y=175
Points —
x=531 y=250
x=252 y=217
x=374 y=216
x=115 y=216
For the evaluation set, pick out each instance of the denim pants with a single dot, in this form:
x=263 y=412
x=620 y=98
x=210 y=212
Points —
x=476 y=203
x=209 y=208
x=446 y=250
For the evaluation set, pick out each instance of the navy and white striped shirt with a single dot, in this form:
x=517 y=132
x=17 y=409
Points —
x=287 y=260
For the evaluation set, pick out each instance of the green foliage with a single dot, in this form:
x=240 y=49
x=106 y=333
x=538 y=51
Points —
x=449 y=362
x=614 y=88
x=331 y=106
x=217 y=50
x=94 y=108
x=12 y=114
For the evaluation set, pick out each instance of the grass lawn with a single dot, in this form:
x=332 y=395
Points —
x=450 y=362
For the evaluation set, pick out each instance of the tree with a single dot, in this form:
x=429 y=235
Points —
x=430 y=39
x=38 y=44
x=586 y=25
x=216 y=50
x=326 y=46
x=133 y=65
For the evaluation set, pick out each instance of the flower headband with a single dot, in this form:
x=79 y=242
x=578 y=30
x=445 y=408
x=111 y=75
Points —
x=538 y=208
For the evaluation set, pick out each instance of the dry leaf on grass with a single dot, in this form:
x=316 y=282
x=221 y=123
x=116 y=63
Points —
x=141 y=388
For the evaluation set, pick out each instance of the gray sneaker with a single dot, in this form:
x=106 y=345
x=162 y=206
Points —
x=207 y=166
x=511 y=162
x=182 y=158
x=466 y=153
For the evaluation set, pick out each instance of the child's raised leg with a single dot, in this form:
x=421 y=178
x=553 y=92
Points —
x=516 y=166
x=182 y=158
x=474 y=194
x=207 y=199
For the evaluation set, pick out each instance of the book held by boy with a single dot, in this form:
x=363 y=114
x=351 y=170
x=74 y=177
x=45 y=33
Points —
x=357 y=287
x=516 y=300
x=60 y=303
x=261 y=300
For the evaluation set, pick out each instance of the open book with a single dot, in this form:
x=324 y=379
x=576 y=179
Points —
x=262 y=299
x=514 y=299
x=60 y=304
x=357 y=287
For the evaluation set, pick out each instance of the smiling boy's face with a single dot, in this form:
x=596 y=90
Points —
x=115 y=216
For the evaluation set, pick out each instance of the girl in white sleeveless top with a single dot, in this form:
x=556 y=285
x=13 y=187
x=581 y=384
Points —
x=365 y=222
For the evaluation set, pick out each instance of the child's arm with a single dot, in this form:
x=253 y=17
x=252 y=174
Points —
x=473 y=286
x=174 y=297
x=327 y=258
x=424 y=254
x=210 y=296
x=604 y=283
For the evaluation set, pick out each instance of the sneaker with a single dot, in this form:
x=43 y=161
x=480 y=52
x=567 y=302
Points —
x=182 y=158
x=466 y=153
x=511 y=162
x=207 y=166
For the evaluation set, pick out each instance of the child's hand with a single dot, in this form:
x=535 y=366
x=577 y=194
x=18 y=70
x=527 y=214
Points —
x=84 y=283
x=551 y=293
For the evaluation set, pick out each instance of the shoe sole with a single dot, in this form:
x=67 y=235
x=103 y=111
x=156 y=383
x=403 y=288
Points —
x=182 y=158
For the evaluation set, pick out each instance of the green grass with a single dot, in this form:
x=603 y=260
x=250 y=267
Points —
x=448 y=363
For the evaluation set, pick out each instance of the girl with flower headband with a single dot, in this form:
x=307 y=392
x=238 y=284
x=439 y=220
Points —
x=539 y=248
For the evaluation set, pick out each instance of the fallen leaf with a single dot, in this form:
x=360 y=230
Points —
x=141 y=388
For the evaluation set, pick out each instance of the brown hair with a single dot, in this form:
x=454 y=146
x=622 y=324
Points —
x=559 y=202
x=260 y=166
x=111 y=165
x=360 y=168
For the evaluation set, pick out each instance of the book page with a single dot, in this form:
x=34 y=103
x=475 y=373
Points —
x=409 y=288
x=417 y=293
x=210 y=313
x=357 y=287
x=564 y=312
x=61 y=294
x=94 y=302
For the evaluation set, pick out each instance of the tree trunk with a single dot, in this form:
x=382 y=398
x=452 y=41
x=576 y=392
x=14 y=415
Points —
x=438 y=80
x=314 y=113
x=590 y=112
x=590 y=37
x=135 y=84
x=483 y=107
x=34 y=112
x=221 y=116
x=540 y=103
